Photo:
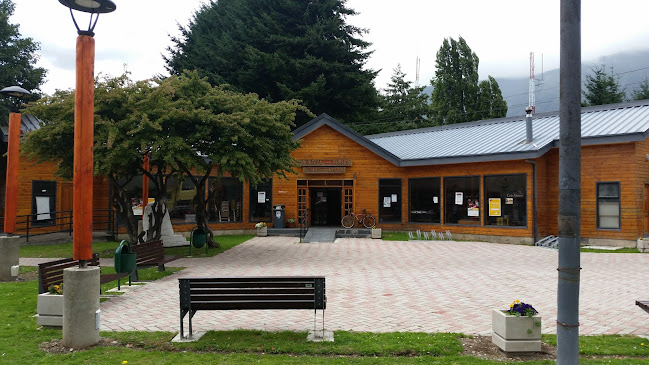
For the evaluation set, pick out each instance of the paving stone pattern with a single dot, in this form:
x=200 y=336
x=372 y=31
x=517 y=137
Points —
x=385 y=286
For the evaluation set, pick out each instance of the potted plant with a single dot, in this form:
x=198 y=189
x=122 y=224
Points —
x=376 y=233
x=49 y=307
x=262 y=229
x=517 y=329
x=290 y=223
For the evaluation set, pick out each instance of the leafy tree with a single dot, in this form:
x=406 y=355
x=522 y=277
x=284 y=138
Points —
x=642 y=92
x=457 y=96
x=602 y=88
x=282 y=50
x=17 y=60
x=184 y=124
x=403 y=106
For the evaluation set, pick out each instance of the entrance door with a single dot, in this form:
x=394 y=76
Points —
x=326 y=206
x=645 y=212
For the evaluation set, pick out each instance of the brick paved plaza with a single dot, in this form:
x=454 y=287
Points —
x=385 y=286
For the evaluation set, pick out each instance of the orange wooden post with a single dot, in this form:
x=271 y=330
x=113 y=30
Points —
x=83 y=149
x=145 y=183
x=11 y=185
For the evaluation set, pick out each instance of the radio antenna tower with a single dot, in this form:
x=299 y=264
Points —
x=417 y=73
x=533 y=84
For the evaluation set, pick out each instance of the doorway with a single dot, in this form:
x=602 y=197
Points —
x=326 y=206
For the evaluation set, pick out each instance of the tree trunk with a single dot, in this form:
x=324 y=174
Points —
x=122 y=203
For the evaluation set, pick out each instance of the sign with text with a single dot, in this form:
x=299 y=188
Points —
x=336 y=162
x=494 y=207
x=323 y=170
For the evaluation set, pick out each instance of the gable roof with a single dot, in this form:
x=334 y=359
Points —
x=324 y=119
x=28 y=123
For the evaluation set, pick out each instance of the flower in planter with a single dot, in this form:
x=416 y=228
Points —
x=290 y=221
x=260 y=225
x=518 y=308
x=55 y=289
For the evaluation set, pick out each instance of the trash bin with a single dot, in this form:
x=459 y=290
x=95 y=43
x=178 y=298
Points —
x=199 y=237
x=124 y=258
x=279 y=216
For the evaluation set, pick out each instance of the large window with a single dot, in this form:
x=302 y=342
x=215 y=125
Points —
x=505 y=199
x=227 y=200
x=424 y=200
x=182 y=199
x=43 y=202
x=261 y=202
x=389 y=200
x=608 y=205
x=462 y=200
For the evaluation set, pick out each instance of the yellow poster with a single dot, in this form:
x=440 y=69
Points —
x=494 y=207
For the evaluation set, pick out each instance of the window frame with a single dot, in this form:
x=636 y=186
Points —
x=380 y=201
x=446 y=201
x=51 y=184
x=439 y=195
x=268 y=182
x=486 y=201
x=619 y=205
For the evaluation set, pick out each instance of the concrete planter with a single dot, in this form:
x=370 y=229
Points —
x=376 y=233
x=49 y=309
x=262 y=232
x=643 y=245
x=516 y=334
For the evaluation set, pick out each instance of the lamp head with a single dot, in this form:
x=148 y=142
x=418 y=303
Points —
x=15 y=91
x=89 y=6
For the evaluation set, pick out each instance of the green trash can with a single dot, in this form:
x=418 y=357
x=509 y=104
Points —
x=198 y=239
x=125 y=260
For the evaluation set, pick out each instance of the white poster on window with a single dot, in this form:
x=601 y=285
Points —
x=261 y=197
x=459 y=198
x=394 y=198
x=387 y=202
x=435 y=200
x=42 y=208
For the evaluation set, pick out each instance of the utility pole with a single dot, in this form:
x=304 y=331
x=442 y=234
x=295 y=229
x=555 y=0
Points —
x=569 y=184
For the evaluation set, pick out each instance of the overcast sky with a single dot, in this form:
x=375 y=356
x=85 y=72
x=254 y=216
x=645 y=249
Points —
x=502 y=33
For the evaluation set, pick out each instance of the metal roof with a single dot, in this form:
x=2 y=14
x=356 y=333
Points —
x=28 y=123
x=504 y=139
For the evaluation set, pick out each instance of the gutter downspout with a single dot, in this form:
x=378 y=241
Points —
x=535 y=223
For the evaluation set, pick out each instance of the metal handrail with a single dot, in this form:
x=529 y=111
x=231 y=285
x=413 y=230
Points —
x=104 y=218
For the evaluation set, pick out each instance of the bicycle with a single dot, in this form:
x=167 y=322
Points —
x=362 y=218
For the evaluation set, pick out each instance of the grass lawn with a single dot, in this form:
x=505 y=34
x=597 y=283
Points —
x=20 y=339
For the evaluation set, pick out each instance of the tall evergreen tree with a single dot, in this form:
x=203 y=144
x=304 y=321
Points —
x=17 y=60
x=602 y=88
x=282 y=50
x=456 y=96
x=642 y=92
x=402 y=106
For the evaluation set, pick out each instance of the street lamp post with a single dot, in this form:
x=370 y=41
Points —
x=13 y=151
x=81 y=296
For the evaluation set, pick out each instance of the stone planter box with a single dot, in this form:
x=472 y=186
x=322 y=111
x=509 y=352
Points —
x=49 y=310
x=262 y=232
x=516 y=334
x=376 y=233
x=643 y=245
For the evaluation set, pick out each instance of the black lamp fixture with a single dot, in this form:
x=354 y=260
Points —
x=16 y=92
x=95 y=7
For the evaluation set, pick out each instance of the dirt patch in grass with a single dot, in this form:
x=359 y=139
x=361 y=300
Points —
x=482 y=347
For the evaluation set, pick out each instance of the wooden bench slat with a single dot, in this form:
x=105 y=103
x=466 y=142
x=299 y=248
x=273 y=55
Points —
x=244 y=291
x=51 y=273
x=240 y=305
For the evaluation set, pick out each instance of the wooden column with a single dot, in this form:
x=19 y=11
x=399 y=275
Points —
x=11 y=185
x=83 y=149
x=145 y=183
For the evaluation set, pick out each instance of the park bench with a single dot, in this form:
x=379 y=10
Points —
x=270 y=292
x=51 y=273
x=150 y=254
x=644 y=304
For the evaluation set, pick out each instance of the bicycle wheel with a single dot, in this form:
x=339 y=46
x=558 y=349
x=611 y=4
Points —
x=369 y=221
x=347 y=221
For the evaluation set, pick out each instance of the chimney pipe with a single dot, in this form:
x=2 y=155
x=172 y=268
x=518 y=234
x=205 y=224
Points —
x=528 y=125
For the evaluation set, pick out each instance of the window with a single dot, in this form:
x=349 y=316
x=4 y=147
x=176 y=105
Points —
x=389 y=200
x=261 y=202
x=424 y=197
x=182 y=199
x=608 y=205
x=226 y=200
x=462 y=200
x=505 y=199
x=43 y=202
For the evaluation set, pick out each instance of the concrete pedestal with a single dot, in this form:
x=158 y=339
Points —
x=81 y=307
x=9 y=254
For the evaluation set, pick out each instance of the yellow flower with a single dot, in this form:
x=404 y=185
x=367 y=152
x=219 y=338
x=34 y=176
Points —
x=124 y=362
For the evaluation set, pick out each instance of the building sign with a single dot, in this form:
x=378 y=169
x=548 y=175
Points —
x=323 y=170
x=494 y=207
x=338 y=162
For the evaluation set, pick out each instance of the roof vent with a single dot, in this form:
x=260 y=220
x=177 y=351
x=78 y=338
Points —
x=528 y=125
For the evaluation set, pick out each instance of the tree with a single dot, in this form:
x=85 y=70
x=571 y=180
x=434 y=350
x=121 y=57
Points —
x=183 y=123
x=457 y=96
x=17 y=60
x=403 y=106
x=281 y=50
x=642 y=92
x=602 y=88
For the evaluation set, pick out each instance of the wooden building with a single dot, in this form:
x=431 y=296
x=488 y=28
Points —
x=482 y=180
